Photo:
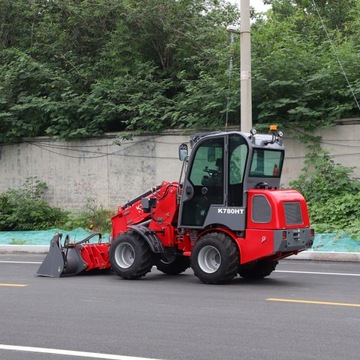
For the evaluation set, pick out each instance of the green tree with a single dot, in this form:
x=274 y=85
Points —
x=302 y=71
x=78 y=68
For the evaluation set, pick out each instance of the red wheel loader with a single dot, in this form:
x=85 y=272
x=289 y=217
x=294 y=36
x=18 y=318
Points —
x=226 y=216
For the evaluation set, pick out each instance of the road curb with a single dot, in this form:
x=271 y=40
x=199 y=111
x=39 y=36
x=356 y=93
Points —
x=305 y=255
x=26 y=249
x=327 y=256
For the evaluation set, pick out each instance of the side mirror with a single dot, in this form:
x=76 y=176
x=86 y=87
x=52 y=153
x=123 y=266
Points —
x=183 y=151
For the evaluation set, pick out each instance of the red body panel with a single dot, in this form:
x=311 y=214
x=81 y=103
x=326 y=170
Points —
x=276 y=199
x=164 y=221
x=163 y=216
x=257 y=244
x=128 y=216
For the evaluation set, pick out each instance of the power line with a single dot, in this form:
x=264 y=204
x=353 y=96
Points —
x=99 y=154
x=336 y=54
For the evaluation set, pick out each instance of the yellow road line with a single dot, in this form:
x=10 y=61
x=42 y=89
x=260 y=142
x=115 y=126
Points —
x=313 y=302
x=14 y=285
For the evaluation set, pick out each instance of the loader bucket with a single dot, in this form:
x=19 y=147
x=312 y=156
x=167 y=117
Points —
x=69 y=259
x=53 y=264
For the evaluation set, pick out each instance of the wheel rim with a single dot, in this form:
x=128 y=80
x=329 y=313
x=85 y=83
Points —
x=124 y=255
x=209 y=259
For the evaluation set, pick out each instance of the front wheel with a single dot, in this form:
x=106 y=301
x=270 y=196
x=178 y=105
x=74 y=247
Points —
x=215 y=259
x=130 y=256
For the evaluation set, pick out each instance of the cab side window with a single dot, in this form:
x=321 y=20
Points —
x=238 y=156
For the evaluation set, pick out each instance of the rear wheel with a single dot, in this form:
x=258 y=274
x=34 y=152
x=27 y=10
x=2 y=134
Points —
x=215 y=259
x=174 y=265
x=257 y=270
x=130 y=256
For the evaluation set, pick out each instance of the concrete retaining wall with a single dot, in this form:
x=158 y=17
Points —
x=100 y=171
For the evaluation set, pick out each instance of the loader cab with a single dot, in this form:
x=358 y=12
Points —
x=222 y=167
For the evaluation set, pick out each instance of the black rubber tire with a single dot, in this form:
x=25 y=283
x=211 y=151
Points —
x=175 y=266
x=130 y=256
x=215 y=259
x=257 y=270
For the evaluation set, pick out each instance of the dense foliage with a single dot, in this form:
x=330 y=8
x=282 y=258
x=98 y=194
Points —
x=93 y=218
x=26 y=209
x=331 y=192
x=78 y=68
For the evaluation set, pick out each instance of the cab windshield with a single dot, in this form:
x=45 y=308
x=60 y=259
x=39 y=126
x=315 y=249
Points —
x=266 y=163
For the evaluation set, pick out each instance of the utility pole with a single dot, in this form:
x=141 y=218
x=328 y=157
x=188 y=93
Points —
x=245 y=68
x=232 y=29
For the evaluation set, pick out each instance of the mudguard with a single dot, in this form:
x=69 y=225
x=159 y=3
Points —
x=154 y=242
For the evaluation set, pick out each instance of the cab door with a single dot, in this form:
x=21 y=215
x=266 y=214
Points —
x=204 y=182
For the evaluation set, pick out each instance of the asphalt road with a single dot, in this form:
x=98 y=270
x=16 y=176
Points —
x=304 y=310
